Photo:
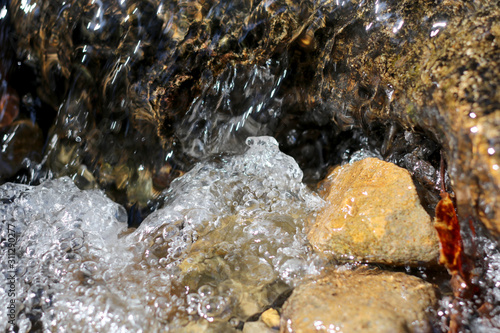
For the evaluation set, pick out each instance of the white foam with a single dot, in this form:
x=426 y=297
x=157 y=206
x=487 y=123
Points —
x=230 y=235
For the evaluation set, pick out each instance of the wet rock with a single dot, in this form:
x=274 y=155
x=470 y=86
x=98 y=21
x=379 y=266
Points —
x=216 y=258
x=374 y=215
x=22 y=144
x=257 y=327
x=9 y=104
x=271 y=318
x=432 y=68
x=235 y=231
x=360 y=302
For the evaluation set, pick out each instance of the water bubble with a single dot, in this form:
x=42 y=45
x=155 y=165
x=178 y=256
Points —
x=193 y=298
x=170 y=231
x=212 y=306
x=161 y=302
x=205 y=290
x=234 y=322
x=88 y=267
x=64 y=246
x=163 y=262
x=76 y=243
x=121 y=214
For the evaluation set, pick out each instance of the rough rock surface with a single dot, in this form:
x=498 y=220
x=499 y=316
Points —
x=374 y=215
x=360 y=302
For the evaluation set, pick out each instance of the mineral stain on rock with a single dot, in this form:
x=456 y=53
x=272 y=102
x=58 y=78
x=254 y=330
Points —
x=373 y=214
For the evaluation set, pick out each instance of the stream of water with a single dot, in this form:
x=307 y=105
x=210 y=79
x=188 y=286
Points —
x=160 y=159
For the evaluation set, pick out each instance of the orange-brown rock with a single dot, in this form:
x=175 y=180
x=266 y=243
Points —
x=360 y=302
x=373 y=214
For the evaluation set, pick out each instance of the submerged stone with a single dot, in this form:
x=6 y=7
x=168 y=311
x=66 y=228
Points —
x=374 y=215
x=363 y=301
x=21 y=144
x=271 y=318
x=243 y=230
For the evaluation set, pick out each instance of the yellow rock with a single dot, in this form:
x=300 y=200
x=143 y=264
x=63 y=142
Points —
x=373 y=214
x=271 y=318
x=361 y=302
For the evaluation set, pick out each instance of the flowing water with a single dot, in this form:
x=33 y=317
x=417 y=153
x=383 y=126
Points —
x=228 y=241
x=187 y=214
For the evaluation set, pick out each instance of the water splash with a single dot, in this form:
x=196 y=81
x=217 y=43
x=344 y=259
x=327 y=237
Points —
x=229 y=239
